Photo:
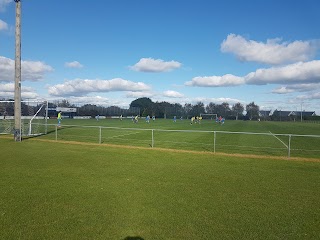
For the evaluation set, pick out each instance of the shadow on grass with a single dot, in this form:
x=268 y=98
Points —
x=52 y=131
x=133 y=238
x=38 y=135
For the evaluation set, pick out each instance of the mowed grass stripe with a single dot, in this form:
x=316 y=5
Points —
x=69 y=191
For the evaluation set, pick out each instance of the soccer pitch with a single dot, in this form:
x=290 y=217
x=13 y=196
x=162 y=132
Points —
x=73 y=190
x=283 y=139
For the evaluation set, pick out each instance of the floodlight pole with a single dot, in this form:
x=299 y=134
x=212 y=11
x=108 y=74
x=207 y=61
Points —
x=17 y=86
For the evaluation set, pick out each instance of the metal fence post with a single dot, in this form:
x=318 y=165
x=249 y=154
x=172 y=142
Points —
x=289 y=147
x=100 y=135
x=214 y=141
x=56 y=133
x=152 y=139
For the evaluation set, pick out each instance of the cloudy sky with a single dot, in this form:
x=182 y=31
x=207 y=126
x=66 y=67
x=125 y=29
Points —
x=110 y=52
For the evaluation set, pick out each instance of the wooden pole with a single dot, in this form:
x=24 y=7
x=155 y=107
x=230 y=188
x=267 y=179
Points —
x=17 y=87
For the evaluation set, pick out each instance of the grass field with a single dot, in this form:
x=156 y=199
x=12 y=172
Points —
x=199 y=137
x=65 y=190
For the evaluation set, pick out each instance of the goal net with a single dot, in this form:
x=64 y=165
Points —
x=34 y=116
x=210 y=116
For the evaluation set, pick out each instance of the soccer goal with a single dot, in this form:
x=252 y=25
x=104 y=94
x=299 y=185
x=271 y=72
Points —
x=210 y=116
x=34 y=117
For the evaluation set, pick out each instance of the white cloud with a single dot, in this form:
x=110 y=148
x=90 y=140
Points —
x=24 y=95
x=172 y=94
x=282 y=90
x=4 y=4
x=74 y=64
x=30 y=70
x=308 y=87
x=29 y=95
x=34 y=71
x=3 y=25
x=7 y=91
x=155 y=65
x=315 y=96
x=272 y=52
x=7 y=87
x=216 y=81
x=216 y=100
x=96 y=100
x=301 y=72
x=85 y=86
x=139 y=94
x=297 y=73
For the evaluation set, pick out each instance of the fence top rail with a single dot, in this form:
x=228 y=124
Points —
x=249 y=133
x=190 y=131
x=297 y=135
x=271 y=134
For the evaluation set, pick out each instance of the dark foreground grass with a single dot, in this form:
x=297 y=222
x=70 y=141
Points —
x=70 y=191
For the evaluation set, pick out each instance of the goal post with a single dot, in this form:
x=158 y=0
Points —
x=210 y=116
x=34 y=117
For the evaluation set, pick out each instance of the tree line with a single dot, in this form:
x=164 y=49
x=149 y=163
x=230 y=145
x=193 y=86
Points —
x=145 y=106
x=188 y=110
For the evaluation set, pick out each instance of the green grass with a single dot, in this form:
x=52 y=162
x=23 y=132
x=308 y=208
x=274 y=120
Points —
x=71 y=191
x=137 y=135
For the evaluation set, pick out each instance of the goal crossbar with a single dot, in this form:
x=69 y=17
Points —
x=213 y=115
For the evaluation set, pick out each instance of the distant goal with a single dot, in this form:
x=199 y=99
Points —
x=34 y=117
x=210 y=116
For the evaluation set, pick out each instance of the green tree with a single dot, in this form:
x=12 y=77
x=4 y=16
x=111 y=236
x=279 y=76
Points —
x=237 y=110
x=252 y=111
x=113 y=111
x=8 y=108
x=64 y=103
x=88 y=110
x=197 y=109
x=225 y=109
x=145 y=104
x=165 y=109
x=178 y=109
x=187 y=110
x=211 y=108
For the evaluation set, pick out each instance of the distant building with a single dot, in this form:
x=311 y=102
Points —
x=264 y=113
x=291 y=115
x=303 y=113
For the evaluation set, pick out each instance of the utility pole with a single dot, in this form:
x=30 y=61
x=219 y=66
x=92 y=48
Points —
x=17 y=86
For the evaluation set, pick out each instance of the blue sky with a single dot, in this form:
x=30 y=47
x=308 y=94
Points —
x=110 y=52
